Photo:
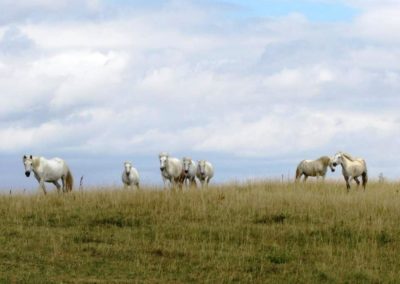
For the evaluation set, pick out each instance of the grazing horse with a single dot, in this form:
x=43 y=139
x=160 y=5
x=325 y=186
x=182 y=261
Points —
x=314 y=168
x=171 y=170
x=49 y=171
x=352 y=168
x=205 y=172
x=130 y=176
x=189 y=170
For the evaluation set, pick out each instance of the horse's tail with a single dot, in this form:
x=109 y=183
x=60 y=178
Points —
x=364 y=179
x=364 y=175
x=298 y=171
x=69 y=181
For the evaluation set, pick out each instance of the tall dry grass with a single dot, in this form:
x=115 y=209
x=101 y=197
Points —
x=251 y=232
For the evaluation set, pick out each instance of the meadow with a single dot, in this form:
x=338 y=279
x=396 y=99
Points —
x=252 y=232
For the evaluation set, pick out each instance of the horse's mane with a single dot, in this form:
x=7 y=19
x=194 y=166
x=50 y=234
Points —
x=35 y=162
x=186 y=158
x=324 y=159
x=347 y=156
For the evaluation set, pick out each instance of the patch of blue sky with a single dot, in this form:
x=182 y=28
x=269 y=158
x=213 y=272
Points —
x=318 y=11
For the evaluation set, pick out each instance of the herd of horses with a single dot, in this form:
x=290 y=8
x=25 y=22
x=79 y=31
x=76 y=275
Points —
x=352 y=168
x=178 y=172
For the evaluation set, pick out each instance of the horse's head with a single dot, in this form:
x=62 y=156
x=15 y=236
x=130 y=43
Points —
x=163 y=160
x=202 y=167
x=28 y=162
x=186 y=164
x=128 y=167
x=337 y=159
x=331 y=165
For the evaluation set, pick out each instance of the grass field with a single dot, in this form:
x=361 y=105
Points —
x=252 y=232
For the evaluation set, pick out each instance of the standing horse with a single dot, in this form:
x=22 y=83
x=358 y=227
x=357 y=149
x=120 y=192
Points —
x=49 y=171
x=130 y=176
x=352 y=168
x=205 y=171
x=171 y=170
x=189 y=170
x=314 y=168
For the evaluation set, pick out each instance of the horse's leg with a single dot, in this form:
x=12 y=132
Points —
x=185 y=183
x=207 y=181
x=357 y=181
x=64 y=183
x=298 y=176
x=42 y=186
x=193 y=182
x=165 y=184
x=57 y=185
x=346 y=178
x=305 y=178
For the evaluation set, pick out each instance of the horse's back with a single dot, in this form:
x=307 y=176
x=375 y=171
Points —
x=53 y=169
x=54 y=162
x=357 y=167
x=311 y=167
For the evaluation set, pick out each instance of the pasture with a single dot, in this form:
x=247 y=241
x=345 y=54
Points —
x=258 y=232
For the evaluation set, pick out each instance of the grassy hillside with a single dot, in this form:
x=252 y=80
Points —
x=255 y=232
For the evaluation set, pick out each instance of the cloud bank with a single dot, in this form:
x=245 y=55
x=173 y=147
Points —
x=83 y=78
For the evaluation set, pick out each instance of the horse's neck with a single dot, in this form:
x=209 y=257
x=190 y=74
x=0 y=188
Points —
x=345 y=162
x=325 y=162
x=36 y=164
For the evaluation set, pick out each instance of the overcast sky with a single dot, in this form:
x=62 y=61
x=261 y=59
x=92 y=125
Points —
x=254 y=86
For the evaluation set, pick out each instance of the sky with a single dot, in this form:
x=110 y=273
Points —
x=253 y=86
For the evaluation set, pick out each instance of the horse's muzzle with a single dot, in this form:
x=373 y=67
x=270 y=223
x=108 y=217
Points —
x=162 y=168
x=186 y=171
x=332 y=170
x=27 y=174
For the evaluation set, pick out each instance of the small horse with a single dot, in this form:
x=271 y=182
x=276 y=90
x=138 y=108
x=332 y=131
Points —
x=49 y=171
x=352 y=168
x=314 y=168
x=171 y=170
x=189 y=169
x=130 y=176
x=205 y=171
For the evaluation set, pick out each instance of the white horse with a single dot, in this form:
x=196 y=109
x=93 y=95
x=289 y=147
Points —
x=314 y=168
x=130 y=176
x=352 y=168
x=205 y=172
x=189 y=169
x=171 y=170
x=49 y=171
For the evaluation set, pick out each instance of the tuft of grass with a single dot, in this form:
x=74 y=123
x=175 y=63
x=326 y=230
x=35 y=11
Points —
x=255 y=232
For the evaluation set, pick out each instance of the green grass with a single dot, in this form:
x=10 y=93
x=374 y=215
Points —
x=264 y=232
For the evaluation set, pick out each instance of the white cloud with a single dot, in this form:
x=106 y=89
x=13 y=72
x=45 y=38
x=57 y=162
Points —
x=182 y=78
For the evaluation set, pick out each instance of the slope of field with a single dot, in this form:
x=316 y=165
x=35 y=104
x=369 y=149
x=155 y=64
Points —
x=253 y=232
